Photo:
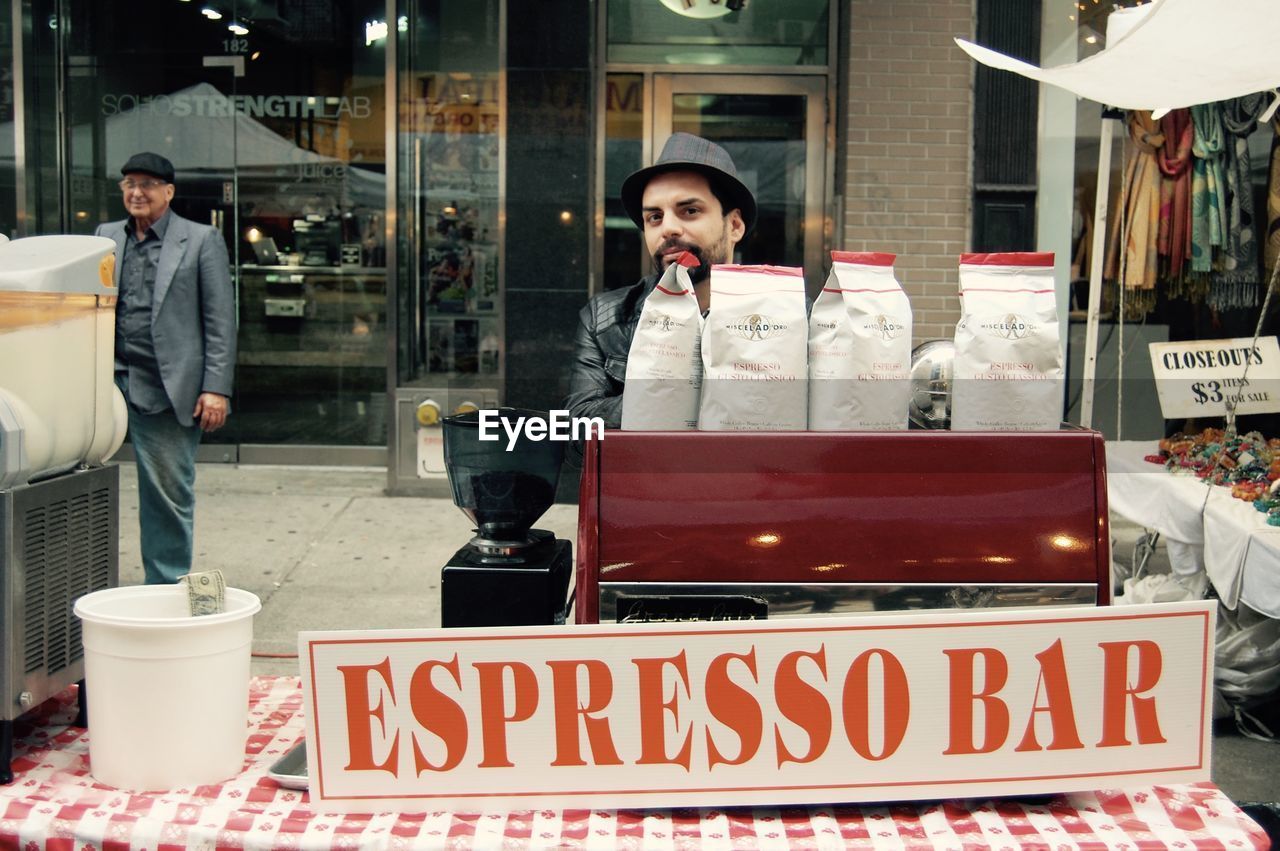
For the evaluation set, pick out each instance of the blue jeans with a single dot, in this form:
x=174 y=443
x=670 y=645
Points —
x=166 y=459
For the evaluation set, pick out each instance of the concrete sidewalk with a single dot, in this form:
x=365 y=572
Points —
x=322 y=547
x=326 y=548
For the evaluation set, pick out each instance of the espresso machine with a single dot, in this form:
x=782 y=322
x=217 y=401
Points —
x=509 y=574
x=696 y=525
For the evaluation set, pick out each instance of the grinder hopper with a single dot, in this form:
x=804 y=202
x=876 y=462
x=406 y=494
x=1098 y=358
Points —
x=503 y=490
x=509 y=574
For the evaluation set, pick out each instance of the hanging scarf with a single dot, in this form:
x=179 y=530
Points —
x=1208 y=186
x=1175 y=190
x=1142 y=213
x=1273 y=201
x=1236 y=284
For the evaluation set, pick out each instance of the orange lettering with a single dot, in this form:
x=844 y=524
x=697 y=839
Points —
x=438 y=714
x=1116 y=690
x=802 y=704
x=995 y=712
x=857 y=711
x=355 y=681
x=1057 y=692
x=564 y=678
x=653 y=708
x=735 y=707
x=493 y=706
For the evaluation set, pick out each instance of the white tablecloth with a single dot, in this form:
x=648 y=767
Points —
x=1240 y=552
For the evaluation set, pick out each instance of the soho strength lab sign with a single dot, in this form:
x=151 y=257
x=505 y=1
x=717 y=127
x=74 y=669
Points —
x=1197 y=379
x=886 y=707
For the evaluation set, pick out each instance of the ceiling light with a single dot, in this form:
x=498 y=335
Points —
x=238 y=28
x=699 y=9
x=211 y=13
x=697 y=57
x=374 y=31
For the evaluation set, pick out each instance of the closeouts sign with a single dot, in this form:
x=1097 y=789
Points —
x=881 y=707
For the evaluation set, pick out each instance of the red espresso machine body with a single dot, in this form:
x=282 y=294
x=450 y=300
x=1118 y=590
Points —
x=696 y=525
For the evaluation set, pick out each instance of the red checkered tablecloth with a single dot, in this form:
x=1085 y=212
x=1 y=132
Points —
x=54 y=805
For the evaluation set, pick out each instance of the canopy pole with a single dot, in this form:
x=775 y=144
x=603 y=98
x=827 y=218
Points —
x=1096 y=259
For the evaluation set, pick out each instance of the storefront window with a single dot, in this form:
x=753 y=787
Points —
x=451 y=125
x=273 y=115
x=8 y=146
x=623 y=154
x=717 y=32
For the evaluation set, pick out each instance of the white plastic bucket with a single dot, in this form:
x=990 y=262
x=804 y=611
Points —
x=168 y=692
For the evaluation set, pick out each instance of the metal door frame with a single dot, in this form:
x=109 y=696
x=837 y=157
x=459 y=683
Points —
x=812 y=87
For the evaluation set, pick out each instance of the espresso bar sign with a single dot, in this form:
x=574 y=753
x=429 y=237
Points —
x=936 y=704
x=1199 y=378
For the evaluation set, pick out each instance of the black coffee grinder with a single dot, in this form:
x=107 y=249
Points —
x=509 y=574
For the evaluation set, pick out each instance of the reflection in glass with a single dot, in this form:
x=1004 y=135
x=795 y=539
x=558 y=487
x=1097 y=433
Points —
x=280 y=144
x=623 y=154
x=451 y=123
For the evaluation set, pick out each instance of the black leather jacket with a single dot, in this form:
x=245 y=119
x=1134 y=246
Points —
x=605 y=328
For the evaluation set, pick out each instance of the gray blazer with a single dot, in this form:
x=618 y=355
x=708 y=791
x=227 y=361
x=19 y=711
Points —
x=193 y=314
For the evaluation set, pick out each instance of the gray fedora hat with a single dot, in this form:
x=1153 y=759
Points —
x=686 y=152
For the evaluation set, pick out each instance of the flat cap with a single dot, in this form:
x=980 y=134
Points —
x=149 y=163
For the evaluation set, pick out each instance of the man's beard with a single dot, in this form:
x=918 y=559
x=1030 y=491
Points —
x=719 y=253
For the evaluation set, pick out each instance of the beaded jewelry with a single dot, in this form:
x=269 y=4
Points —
x=1248 y=464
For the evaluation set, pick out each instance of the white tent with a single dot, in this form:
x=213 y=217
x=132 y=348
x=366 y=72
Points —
x=1165 y=55
x=207 y=141
x=1178 y=53
x=196 y=141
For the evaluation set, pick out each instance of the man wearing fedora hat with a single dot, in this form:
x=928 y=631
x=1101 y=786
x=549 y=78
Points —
x=690 y=199
x=175 y=352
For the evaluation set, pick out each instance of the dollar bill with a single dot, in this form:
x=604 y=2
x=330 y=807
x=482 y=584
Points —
x=206 y=592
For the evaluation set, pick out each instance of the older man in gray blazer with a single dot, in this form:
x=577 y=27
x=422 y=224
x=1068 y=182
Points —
x=175 y=351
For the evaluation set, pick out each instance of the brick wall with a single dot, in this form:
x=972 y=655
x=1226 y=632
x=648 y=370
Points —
x=907 y=167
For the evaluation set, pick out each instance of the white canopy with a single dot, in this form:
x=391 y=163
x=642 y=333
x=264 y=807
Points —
x=1167 y=55
x=213 y=145
x=1182 y=53
x=195 y=142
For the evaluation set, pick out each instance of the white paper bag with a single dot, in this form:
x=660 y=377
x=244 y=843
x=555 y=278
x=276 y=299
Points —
x=664 y=364
x=1008 y=363
x=754 y=350
x=860 y=347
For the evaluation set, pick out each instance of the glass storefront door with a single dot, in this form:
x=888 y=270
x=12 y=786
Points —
x=773 y=127
x=449 y=224
x=449 y=138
